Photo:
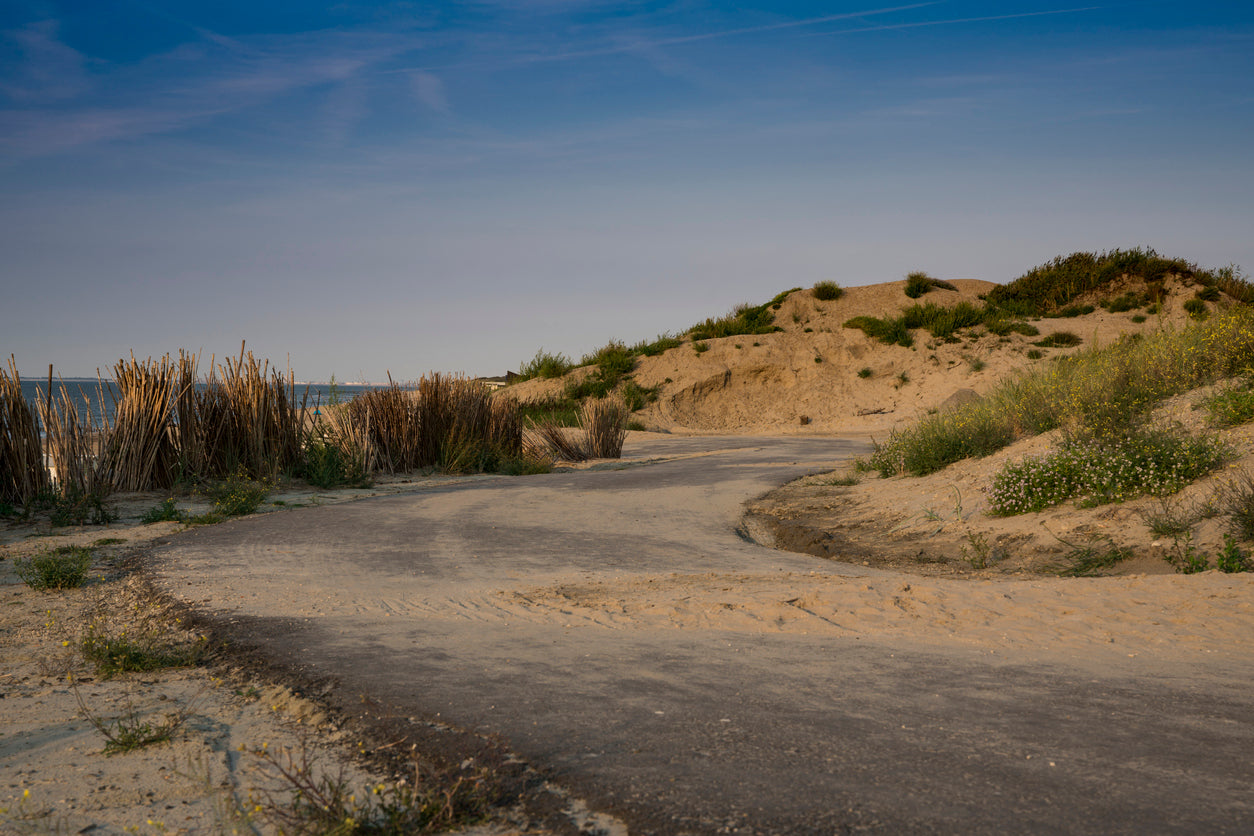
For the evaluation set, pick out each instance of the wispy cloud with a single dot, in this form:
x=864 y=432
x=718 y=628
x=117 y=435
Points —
x=44 y=68
x=624 y=43
x=951 y=21
x=186 y=86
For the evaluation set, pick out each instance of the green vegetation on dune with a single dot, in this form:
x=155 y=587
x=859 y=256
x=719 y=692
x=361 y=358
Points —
x=1102 y=393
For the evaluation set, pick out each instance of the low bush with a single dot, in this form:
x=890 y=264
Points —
x=1232 y=406
x=919 y=283
x=64 y=567
x=1111 y=470
x=1196 y=308
x=1059 y=339
x=664 y=342
x=238 y=495
x=827 y=291
x=942 y=439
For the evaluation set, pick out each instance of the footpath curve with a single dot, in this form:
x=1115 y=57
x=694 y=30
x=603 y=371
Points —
x=620 y=632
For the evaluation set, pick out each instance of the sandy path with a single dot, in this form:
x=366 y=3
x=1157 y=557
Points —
x=616 y=630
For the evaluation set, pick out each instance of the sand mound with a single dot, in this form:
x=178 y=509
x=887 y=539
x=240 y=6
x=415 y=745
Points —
x=817 y=376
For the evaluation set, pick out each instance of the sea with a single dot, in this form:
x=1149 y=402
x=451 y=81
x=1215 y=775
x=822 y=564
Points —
x=98 y=398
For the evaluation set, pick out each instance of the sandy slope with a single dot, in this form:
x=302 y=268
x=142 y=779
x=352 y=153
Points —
x=771 y=382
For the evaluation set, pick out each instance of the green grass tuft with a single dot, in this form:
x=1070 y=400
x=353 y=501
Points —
x=827 y=291
x=64 y=567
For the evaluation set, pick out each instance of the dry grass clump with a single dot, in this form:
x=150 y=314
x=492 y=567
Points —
x=604 y=422
x=448 y=422
x=601 y=433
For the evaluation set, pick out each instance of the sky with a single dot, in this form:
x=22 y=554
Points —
x=361 y=188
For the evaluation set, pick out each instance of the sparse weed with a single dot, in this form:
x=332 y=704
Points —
x=1091 y=559
x=238 y=495
x=64 y=567
x=1168 y=517
x=117 y=654
x=1232 y=406
x=1059 y=339
x=865 y=372
x=129 y=731
x=78 y=507
x=165 y=511
x=317 y=802
x=700 y=347
x=1232 y=558
x=1235 y=498
x=978 y=552
x=1185 y=557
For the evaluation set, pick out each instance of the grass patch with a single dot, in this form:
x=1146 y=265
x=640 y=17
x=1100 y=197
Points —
x=865 y=372
x=1053 y=286
x=743 y=320
x=827 y=291
x=1059 y=339
x=1102 y=391
x=1232 y=406
x=1196 y=308
x=64 y=567
x=664 y=342
x=700 y=347
x=115 y=655
x=80 y=507
x=328 y=464
x=1111 y=470
x=919 y=283
x=1034 y=354
x=546 y=366
x=164 y=511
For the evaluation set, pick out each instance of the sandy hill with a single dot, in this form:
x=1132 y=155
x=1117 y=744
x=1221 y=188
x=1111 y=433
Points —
x=817 y=376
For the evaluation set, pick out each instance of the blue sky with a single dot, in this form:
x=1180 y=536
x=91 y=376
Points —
x=368 y=187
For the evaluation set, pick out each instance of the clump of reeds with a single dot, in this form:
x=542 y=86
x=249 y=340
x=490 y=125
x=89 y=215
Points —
x=141 y=449
x=604 y=422
x=23 y=475
x=250 y=420
x=602 y=431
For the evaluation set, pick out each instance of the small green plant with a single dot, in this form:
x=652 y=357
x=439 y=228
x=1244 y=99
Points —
x=1168 y=518
x=1126 y=301
x=1070 y=312
x=1236 y=499
x=902 y=379
x=1035 y=354
x=1138 y=318
x=976 y=364
x=1231 y=406
x=1196 y=308
x=1059 y=339
x=64 y=567
x=664 y=342
x=843 y=481
x=865 y=372
x=700 y=347
x=237 y=495
x=978 y=553
x=1208 y=294
x=1232 y=558
x=1089 y=560
x=78 y=507
x=743 y=320
x=128 y=653
x=1185 y=557
x=129 y=732
x=827 y=291
x=328 y=463
x=165 y=511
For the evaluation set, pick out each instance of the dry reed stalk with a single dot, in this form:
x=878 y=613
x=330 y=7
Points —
x=604 y=422
x=551 y=438
x=23 y=475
